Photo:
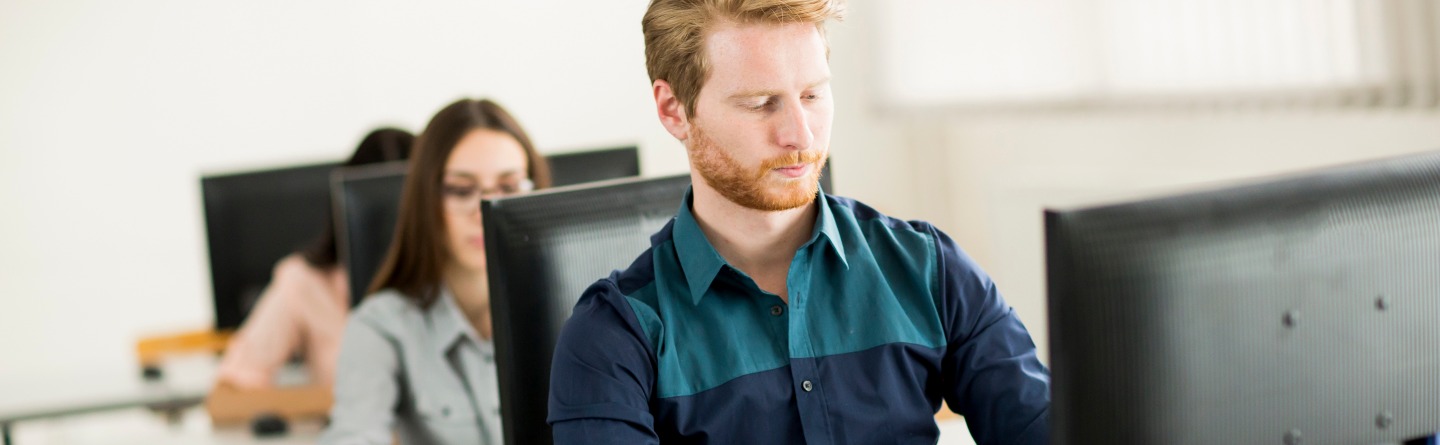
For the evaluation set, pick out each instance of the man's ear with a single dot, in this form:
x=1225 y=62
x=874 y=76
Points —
x=671 y=110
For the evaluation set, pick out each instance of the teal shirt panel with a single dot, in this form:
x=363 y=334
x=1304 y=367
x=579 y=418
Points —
x=854 y=285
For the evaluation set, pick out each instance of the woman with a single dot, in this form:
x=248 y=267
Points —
x=417 y=362
x=303 y=309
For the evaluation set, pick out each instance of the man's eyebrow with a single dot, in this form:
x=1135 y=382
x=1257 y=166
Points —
x=767 y=93
x=755 y=93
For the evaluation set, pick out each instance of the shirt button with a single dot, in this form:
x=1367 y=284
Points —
x=807 y=385
x=776 y=310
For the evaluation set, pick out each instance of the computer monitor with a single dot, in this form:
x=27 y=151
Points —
x=254 y=219
x=593 y=165
x=825 y=178
x=367 y=205
x=543 y=250
x=1304 y=309
x=598 y=165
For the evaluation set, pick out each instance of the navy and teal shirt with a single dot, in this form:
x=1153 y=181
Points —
x=885 y=319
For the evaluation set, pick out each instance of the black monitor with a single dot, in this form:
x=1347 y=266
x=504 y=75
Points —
x=1305 y=309
x=254 y=219
x=593 y=165
x=543 y=250
x=825 y=178
x=599 y=165
x=367 y=205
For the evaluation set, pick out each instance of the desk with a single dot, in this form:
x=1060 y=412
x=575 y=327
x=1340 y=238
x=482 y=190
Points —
x=82 y=391
x=63 y=401
x=139 y=426
x=953 y=431
x=114 y=407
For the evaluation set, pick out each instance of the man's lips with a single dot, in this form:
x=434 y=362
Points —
x=793 y=171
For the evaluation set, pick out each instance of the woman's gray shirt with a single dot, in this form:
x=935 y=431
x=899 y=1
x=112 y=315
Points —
x=419 y=374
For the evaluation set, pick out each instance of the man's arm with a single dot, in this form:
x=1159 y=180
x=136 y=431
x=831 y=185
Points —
x=990 y=373
x=602 y=374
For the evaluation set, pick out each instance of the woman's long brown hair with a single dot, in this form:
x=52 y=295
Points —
x=418 y=252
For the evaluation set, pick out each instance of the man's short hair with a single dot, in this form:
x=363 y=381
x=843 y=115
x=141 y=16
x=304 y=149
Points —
x=675 y=34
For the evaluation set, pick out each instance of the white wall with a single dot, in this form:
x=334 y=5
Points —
x=1001 y=171
x=111 y=112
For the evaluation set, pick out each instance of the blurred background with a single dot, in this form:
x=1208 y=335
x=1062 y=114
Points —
x=972 y=114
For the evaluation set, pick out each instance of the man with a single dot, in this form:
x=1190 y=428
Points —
x=768 y=313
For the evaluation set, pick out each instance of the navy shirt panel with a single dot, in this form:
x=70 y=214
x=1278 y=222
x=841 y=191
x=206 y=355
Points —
x=885 y=318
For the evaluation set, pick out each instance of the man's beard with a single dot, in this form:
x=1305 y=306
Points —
x=755 y=189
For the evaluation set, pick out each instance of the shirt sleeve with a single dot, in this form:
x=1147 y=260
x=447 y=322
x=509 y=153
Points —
x=990 y=372
x=367 y=387
x=602 y=374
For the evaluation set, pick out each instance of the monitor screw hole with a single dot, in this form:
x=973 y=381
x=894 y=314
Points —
x=1291 y=318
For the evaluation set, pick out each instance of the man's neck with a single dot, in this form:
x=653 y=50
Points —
x=759 y=243
x=472 y=295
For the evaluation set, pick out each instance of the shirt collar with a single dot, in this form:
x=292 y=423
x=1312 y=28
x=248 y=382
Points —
x=701 y=263
x=825 y=225
x=447 y=322
x=698 y=258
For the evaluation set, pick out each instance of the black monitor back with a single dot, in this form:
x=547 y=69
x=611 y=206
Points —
x=367 y=206
x=599 y=165
x=254 y=219
x=543 y=251
x=1304 y=309
x=593 y=165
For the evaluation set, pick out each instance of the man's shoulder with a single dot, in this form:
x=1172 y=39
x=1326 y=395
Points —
x=625 y=288
x=625 y=301
x=870 y=217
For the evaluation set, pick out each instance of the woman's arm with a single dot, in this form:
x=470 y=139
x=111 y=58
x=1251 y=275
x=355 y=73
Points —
x=272 y=333
x=367 y=387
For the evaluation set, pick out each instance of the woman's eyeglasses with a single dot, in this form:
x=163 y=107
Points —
x=466 y=199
